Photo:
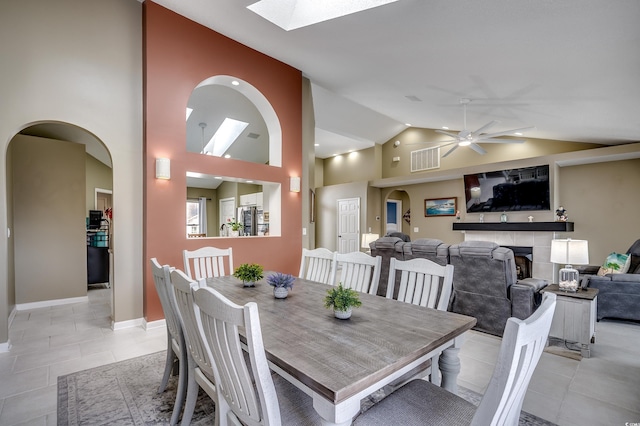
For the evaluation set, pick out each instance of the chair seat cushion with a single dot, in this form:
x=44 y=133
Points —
x=418 y=403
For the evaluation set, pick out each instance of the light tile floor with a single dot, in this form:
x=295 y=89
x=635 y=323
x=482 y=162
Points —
x=48 y=342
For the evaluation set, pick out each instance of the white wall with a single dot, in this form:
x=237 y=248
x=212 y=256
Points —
x=79 y=62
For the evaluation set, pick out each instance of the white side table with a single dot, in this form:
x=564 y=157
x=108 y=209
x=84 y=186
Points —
x=574 y=320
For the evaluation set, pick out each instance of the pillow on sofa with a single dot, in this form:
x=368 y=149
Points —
x=615 y=263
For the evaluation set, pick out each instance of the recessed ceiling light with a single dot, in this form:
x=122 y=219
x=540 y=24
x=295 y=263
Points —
x=227 y=156
x=249 y=181
x=407 y=124
x=235 y=82
x=218 y=177
x=317 y=144
x=445 y=128
x=518 y=133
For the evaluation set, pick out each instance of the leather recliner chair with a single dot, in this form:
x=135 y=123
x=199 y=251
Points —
x=387 y=247
x=619 y=295
x=427 y=248
x=485 y=285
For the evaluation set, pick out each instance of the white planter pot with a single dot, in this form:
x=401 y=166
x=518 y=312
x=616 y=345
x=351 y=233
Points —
x=234 y=233
x=342 y=314
x=280 y=292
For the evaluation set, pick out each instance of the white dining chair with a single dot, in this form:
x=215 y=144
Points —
x=422 y=282
x=247 y=391
x=208 y=262
x=199 y=367
x=358 y=271
x=417 y=401
x=317 y=265
x=176 y=351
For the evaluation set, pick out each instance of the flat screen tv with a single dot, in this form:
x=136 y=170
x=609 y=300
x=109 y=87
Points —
x=522 y=189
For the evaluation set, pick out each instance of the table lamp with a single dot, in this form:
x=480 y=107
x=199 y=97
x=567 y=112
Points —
x=367 y=239
x=569 y=252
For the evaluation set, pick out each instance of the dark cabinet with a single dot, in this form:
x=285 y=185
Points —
x=97 y=265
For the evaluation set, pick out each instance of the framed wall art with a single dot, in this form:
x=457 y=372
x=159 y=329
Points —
x=440 y=207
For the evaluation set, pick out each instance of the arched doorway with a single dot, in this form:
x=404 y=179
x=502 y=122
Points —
x=397 y=210
x=53 y=170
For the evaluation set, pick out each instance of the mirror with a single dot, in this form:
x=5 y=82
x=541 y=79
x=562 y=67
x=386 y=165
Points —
x=213 y=202
x=223 y=120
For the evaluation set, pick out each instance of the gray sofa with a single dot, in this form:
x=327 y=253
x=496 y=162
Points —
x=485 y=285
x=386 y=247
x=619 y=294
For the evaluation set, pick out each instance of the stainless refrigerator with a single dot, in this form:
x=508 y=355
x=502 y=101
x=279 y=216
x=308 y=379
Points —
x=252 y=221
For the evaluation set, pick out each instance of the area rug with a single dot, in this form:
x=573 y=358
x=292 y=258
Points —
x=125 y=393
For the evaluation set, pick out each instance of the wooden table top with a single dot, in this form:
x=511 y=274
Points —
x=339 y=358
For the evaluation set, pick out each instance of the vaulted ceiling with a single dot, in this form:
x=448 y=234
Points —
x=570 y=68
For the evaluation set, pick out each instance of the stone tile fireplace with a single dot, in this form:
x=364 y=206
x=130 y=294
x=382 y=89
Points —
x=537 y=235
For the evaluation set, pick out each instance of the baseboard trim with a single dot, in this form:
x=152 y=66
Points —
x=121 y=325
x=49 y=303
x=151 y=325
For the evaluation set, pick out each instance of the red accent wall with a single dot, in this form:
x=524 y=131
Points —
x=179 y=54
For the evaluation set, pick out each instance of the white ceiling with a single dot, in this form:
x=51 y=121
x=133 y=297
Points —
x=571 y=68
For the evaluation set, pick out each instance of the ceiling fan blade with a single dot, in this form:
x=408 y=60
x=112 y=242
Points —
x=483 y=128
x=444 y=132
x=483 y=140
x=477 y=148
x=507 y=132
x=451 y=150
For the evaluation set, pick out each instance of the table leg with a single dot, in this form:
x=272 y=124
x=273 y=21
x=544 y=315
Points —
x=336 y=415
x=450 y=366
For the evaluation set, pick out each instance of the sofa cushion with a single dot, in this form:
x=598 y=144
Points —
x=615 y=263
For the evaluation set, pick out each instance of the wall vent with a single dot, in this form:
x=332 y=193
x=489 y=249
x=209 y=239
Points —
x=425 y=159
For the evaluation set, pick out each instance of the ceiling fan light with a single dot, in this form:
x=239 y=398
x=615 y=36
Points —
x=464 y=143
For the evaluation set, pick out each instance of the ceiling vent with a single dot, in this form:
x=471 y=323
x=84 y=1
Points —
x=253 y=135
x=425 y=159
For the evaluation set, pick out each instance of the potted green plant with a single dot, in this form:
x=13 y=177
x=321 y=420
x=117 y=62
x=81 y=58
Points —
x=235 y=227
x=281 y=284
x=249 y=273
x=342 y=300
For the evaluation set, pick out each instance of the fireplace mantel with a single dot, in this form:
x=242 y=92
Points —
x=514 y=226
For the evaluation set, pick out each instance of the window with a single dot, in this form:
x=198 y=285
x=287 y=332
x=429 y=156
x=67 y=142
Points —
x=193 y=217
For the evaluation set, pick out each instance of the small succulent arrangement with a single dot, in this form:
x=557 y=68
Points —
x=342 y=300
x=249 y=273
x=280 y=280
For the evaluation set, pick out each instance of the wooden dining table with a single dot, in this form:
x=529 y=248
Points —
x=340 y=362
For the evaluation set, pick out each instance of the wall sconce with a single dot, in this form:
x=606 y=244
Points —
x=163 y=168
x=294 y=184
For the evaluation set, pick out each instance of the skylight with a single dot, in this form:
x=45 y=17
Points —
x=222 y=139
x=292 y=14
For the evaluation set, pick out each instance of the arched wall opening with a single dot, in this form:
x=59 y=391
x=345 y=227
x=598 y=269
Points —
x=53 y=169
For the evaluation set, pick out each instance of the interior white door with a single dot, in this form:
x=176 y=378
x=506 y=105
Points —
x=227 y=212
x=348 y=225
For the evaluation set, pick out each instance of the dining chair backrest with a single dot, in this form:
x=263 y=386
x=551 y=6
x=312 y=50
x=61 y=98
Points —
x=162 y=280
x=422 y=282
x=208 y=262
x=183 y=288
x=522 y=345
x=238 y=397
x=358 y=271
x=317 y=265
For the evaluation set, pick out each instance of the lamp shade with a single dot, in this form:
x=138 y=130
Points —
x=570 y=252
x=368 y=238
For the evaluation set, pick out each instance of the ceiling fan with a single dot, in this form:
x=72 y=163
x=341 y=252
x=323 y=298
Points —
x=472 y=139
